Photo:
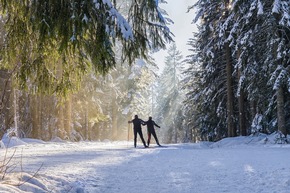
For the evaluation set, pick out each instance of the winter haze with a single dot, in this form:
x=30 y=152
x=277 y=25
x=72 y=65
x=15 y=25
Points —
x=86 y=107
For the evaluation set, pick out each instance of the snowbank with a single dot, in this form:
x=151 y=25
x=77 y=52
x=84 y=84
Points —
x=11 y=141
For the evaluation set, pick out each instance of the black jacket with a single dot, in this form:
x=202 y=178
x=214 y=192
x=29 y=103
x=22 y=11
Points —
x=150 y=125
x=137 y=123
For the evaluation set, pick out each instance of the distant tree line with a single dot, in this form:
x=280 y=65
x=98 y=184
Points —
x=99 y=110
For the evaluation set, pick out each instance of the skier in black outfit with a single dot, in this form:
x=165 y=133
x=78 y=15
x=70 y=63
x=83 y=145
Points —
x=137 y=129
x=150 y=129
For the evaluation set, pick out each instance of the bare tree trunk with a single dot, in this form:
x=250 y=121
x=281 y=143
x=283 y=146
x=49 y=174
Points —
x=129 y=129
x=60 y=122
x=114 y=118
x=192 y=134
x=52 y=124
x=229 y=71
x=87 y=123
x=68 y=117
x=241 y=101
x=16 y=113
x=230 y=93
x=175 y=134
x=242 y=118
x=253 y=109
x=5 y=101
x=35 y=116
x=51 y=117
x=281 y=111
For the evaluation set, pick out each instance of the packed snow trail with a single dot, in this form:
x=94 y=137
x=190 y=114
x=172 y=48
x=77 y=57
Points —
x=95 y=167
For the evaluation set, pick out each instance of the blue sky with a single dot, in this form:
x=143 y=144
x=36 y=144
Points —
x=182 y=27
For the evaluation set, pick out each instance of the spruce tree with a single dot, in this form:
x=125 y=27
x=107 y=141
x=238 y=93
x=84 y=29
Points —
x=53 y=43
x=254 y=37
x=170 y=96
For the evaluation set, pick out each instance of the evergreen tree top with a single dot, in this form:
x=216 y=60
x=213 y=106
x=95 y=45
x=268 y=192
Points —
x=51 y=40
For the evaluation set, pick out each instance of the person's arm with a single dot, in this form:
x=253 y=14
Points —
x=156 y=124
x=143 y=122
x=130 y=121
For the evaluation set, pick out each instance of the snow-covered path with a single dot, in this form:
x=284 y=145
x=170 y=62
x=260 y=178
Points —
x=96 y=167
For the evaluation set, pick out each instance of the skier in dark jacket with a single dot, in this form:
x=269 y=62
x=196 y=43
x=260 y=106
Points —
x=138 y=129
x=150 y=129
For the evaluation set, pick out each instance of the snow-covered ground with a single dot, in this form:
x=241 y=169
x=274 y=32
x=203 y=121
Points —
x=233 y=165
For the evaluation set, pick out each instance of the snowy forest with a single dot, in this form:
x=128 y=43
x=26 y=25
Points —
x=79 y=70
